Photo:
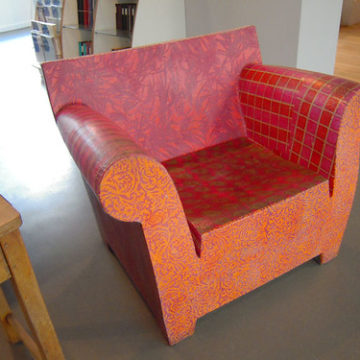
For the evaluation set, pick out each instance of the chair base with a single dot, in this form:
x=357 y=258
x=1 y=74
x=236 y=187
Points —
x=327 y=256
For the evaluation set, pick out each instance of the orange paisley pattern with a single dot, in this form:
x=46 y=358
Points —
x=138 y=188
x=156 y=132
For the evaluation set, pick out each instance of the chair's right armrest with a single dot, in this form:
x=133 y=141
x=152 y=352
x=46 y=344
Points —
x=129 y=183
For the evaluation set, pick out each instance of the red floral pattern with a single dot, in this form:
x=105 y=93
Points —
x=152 y=104
x=182 y=92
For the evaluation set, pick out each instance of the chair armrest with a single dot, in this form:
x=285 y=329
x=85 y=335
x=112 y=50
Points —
x=311 y=119
x=94 y=141
x=132 y=186
x=298 y=114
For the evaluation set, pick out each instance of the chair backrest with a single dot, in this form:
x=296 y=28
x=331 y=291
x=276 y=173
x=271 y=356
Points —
x=171 y=98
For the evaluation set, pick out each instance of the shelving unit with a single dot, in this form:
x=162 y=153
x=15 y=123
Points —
x=72 y=33
x=106 y=35
x=103 y=34
x=154 y=21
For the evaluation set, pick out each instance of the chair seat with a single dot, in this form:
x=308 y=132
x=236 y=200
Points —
x=220 y=184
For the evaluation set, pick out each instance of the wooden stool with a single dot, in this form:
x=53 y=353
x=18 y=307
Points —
x=15 y=265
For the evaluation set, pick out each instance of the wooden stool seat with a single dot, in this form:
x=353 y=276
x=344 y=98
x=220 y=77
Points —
x=15 y=265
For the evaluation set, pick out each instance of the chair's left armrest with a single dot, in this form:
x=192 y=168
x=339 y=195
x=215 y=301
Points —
x=313 y=120
x=302 y=116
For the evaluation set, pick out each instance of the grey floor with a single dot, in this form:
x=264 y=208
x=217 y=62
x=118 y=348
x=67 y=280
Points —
x=311 y=313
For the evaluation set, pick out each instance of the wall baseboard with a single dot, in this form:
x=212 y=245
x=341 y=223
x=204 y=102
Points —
x=16 y=26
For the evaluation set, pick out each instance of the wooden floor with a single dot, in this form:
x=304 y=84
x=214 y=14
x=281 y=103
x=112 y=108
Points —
x=348 y=53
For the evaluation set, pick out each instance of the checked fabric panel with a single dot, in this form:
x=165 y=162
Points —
x=295 y=113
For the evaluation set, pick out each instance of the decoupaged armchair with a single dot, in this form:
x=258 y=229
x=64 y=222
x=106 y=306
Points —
x=210 y=174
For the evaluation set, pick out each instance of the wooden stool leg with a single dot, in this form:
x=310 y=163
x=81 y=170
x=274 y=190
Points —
x=29 y=296
x=4 y=312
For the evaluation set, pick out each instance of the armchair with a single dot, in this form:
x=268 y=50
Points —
x=210 y=174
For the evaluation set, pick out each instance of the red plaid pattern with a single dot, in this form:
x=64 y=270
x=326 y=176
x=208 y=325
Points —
x=295 y=113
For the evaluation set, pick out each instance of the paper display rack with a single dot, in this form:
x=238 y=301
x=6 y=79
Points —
x=46 y=30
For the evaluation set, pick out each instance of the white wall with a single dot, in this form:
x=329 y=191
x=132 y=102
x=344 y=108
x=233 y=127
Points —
x=299 y=33
x=15 y=14
x=318 y=37
x=277 y=23
x=158 y=21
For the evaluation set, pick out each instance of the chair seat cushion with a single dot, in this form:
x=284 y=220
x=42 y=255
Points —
x=222 y=183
